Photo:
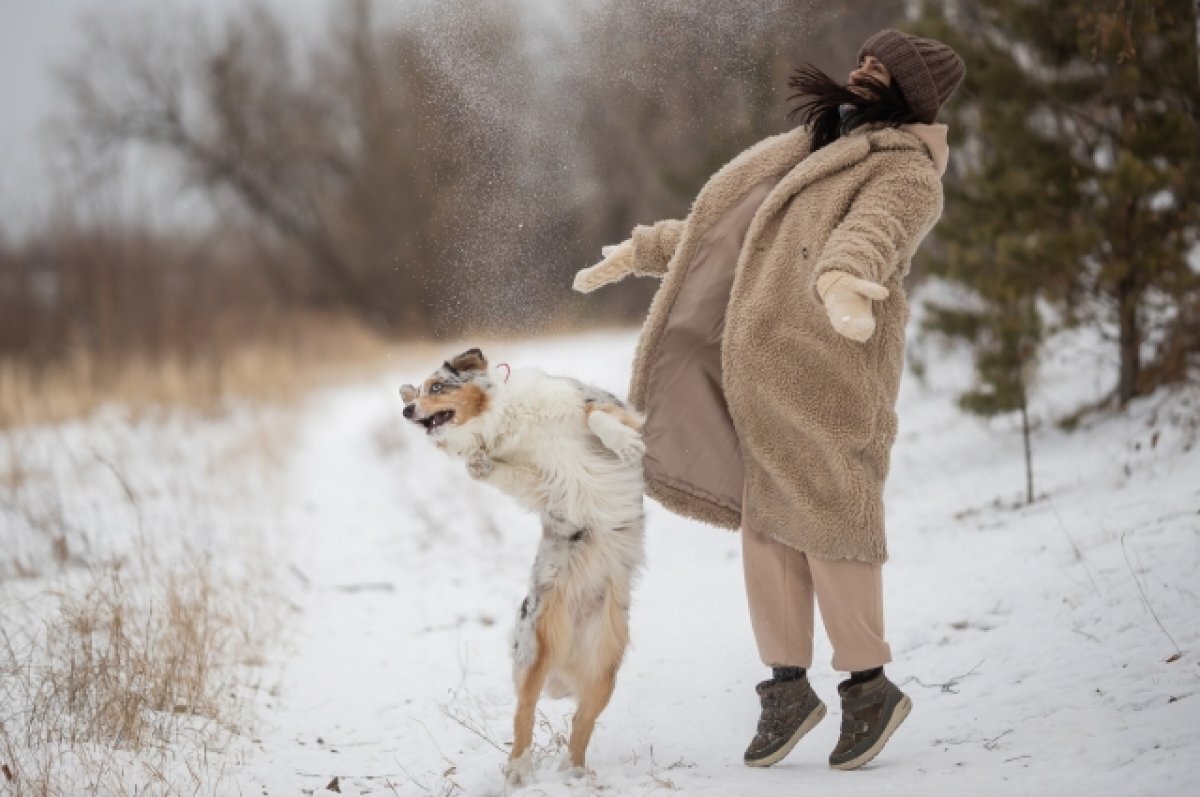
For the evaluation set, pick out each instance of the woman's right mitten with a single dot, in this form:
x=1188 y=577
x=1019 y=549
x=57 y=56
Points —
x=616 y=265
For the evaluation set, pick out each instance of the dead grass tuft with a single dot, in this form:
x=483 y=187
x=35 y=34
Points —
x=128 y=668
x=114 y=675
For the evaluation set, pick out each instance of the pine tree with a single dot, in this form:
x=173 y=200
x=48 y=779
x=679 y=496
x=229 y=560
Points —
x=1078 y=136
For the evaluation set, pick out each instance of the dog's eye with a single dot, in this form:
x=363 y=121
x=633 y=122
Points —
x=435 y=388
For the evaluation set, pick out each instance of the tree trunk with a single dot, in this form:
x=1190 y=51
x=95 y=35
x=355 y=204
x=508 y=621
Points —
x=1196 y=15
x=1028 y=449
x=1130 y=339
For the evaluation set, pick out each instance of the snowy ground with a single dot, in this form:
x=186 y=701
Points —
x=1035 y=641
x=134 y=521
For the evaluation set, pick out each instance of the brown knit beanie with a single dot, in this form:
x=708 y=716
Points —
x=926 y=70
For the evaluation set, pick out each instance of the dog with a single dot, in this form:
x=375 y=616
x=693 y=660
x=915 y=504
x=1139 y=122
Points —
x=573 y=454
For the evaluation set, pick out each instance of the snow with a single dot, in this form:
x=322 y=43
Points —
x=154 y=504
x=1034 y=640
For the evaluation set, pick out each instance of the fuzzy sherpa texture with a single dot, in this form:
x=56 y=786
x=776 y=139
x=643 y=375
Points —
x=813 y=411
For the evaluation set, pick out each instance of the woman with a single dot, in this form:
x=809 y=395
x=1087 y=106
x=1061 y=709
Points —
x=770 y=363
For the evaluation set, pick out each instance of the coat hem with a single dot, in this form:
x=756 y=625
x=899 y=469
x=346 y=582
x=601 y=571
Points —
x=689 y=506
x=830 y=555
x=827 y=549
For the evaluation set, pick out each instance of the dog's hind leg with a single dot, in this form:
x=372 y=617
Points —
x=618 y=429
x=593 y=699
x=595 y=695
x=549 y=629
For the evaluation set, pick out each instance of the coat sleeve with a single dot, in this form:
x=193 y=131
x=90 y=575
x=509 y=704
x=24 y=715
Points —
x=885 y=224
x=654 y=246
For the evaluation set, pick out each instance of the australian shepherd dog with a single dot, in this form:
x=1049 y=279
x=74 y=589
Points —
x=573 y=454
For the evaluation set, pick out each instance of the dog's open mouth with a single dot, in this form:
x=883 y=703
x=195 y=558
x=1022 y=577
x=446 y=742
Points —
x=436 y=420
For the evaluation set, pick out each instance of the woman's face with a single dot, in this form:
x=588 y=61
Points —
x=872 y=67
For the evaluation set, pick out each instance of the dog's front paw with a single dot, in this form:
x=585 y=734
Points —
x=518 y=771
x=617 y=437
x=630 y=450
x=480 y=465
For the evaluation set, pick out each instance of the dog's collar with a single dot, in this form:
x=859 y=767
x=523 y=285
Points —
x=507 y=371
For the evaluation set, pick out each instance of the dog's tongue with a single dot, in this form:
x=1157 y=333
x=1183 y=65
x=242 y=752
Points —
x=436 y=420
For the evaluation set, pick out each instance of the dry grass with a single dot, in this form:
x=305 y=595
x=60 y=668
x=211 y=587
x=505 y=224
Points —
x=113 y=665
x=299 y=353
x=130 y=667
x=131 y=675
x=116 y=686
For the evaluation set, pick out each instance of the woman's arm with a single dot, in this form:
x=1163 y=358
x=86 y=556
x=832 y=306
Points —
x=654 y=246
x=886 y=223
x=645 y=254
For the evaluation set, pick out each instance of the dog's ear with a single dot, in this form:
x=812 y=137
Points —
x=469 y=360
x=408 y=394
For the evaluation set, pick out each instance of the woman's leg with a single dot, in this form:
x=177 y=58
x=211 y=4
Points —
x=850 y=595
x=851 y=598
x=779 y=591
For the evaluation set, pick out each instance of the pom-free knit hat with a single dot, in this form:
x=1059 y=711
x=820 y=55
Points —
x=926 y=70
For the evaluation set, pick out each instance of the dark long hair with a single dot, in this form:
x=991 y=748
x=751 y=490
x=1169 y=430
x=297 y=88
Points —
x=819 y=100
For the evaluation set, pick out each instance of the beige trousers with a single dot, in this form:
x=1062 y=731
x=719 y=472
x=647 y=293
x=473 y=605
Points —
x=780 y=585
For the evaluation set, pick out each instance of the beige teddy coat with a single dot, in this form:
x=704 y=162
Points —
x=752 y=399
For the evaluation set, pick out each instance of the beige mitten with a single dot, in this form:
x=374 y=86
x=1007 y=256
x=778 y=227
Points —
x=616 y=265
x=848 y=300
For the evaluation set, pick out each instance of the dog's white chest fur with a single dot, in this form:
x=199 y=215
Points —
x=539 y=423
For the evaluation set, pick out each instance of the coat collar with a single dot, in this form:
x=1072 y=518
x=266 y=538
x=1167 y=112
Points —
x=930 y=137
x=841 y=154
x=832 y=158
x=934 y=139
x=785 y=158
x=770 y=159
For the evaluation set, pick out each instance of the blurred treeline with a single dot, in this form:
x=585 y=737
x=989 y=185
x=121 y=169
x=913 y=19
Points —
x=433 y=169
x=436 y=169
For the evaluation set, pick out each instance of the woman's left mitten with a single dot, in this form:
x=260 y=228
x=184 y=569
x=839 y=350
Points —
x=848 y=300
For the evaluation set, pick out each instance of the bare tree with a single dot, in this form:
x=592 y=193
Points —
x=357 y=155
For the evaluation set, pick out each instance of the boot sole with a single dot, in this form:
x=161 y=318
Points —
x=903 y=707
x=809 y=723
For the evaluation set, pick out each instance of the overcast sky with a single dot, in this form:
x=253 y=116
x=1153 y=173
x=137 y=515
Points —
x=34 y=35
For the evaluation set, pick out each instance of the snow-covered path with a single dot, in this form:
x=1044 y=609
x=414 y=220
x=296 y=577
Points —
x=1023 y=635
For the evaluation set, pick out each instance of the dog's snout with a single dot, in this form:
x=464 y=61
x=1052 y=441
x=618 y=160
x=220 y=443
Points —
x=409 y=410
